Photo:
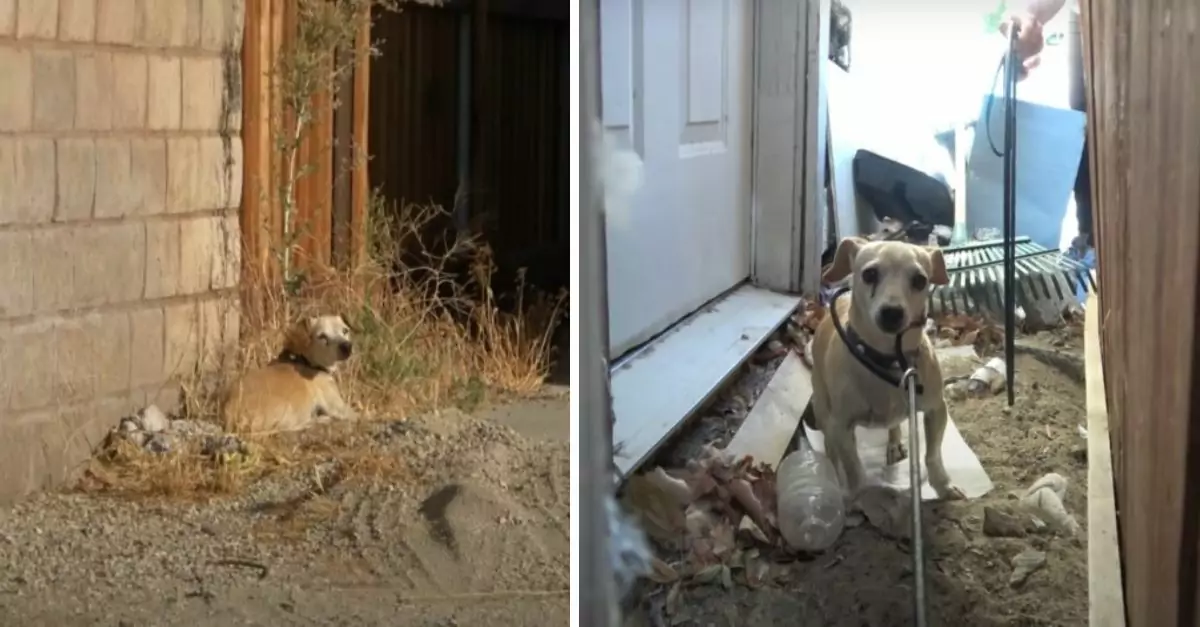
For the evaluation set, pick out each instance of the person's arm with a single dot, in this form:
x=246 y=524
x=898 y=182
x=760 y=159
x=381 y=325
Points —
x=1041 y=10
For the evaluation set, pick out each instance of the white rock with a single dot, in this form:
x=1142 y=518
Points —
x=153 y=420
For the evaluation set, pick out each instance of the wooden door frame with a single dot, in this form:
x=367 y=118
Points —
x=788 y=146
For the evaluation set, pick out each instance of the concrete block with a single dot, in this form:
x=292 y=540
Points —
x=32 y=384
x=194 y=23
x=115 y=194
x=76 y=178
x=216 y=20
x=116 y=21
x=203 y=82
x=227 y=259
x=130 y=80
x=51 y=445
x=53 y=90
x=77 y=20
x=183 y=179
x=182 y=335
x=27 y=180
x=197 y=246
x=109 y=263
x=215 y=348
x=17 y=257
x=162 y=24
x=94 y=80
x=148 y=334
x=37 y=19
x=16 y=99
x=162 y=258
x=8 y=18
x=219 y=173
x=53 y=275
x=165 y=93
x=93 y=354
x=149 y=169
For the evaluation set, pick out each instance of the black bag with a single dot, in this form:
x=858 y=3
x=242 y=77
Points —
x=900 y=192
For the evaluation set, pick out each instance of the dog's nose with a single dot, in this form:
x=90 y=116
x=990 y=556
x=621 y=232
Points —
x=891 y=319
x=344 y=350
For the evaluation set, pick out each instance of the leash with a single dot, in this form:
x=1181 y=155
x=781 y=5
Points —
x=882 y=366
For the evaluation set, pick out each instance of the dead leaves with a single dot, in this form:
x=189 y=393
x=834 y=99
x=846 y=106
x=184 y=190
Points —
x=802 y=325
x=964 y=330
x=714 y=514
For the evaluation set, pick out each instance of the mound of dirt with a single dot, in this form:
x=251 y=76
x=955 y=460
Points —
x=866 y=579
x=471 y=527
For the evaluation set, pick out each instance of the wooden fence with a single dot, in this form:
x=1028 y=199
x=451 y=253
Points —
x=330 y=202
x=1144 y=128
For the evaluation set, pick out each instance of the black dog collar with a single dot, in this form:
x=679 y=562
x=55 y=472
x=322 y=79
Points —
x=888 y=367
x=288 y=357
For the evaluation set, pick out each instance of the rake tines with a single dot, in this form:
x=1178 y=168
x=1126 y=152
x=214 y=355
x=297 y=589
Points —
x=977 y=277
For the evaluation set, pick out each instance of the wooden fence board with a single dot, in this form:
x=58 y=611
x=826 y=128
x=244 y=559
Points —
x=1146 y=187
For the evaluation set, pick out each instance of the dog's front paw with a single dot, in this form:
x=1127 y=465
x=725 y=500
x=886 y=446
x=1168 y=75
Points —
x=896 y=453
x=949 y=492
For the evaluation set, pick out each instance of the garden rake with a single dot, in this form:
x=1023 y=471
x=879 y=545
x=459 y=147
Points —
x=977 y=277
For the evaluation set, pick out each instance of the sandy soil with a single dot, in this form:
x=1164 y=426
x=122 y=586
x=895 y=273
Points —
x=866 y=579
x=476 y=533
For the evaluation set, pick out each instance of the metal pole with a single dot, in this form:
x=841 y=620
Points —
x=598 y=603
x=909 y=382
x=1010 y=199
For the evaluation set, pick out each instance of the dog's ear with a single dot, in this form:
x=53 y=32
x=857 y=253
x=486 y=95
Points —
x=843 y=259
x=937 y=264
x=298 y=337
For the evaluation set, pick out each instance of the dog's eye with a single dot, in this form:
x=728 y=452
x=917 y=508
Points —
x=870 y=276
x=322 y=337
x=919 y=282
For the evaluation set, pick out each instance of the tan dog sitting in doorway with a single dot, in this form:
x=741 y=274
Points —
x=888 y=295
x=297 y=389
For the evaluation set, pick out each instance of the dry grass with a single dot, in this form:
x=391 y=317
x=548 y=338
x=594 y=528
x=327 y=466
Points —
x=425 y=339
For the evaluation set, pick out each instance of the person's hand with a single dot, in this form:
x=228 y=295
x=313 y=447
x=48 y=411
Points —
x=1030 y=40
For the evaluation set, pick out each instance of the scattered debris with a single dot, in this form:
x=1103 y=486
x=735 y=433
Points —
x=1025 y=564
x=1004 y=523
x=988 y=378
x=1046 y=497
x=887 y=509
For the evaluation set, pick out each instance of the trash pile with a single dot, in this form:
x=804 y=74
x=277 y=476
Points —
x=151 y=430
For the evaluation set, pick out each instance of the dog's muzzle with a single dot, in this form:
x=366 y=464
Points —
x=890 y=319
x=344 y=350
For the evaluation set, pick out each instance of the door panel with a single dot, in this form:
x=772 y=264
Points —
x=675 y=87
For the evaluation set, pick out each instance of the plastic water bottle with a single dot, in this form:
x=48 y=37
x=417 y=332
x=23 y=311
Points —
x=812 y=512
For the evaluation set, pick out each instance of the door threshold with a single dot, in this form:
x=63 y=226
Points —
x=655 y=390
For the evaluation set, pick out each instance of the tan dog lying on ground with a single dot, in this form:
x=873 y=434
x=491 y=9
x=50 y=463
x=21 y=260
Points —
x=889 y=291
x=297 y=389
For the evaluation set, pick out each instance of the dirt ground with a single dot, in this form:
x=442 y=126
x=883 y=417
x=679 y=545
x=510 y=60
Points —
x=476 y=533
x=865 y=579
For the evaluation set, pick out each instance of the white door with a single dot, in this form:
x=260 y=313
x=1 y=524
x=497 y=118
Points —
x=676 y=87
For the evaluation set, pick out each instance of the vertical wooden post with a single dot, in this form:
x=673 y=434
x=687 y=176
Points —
x=360 y=187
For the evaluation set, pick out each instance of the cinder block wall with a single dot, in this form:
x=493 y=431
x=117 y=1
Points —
x=120 y=175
